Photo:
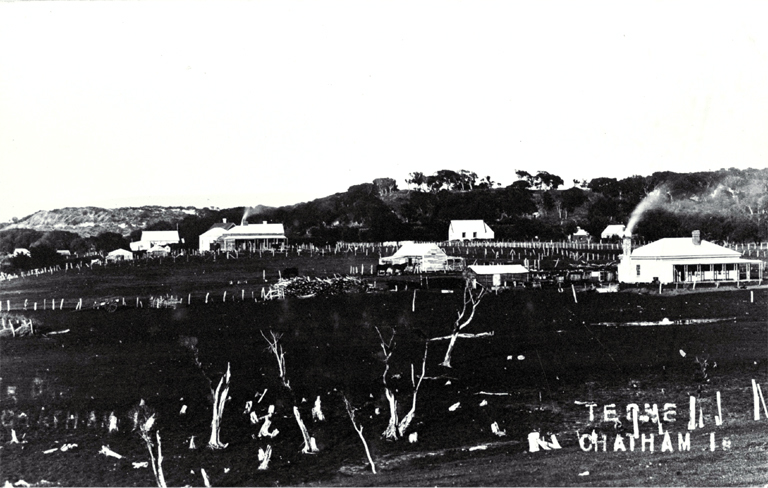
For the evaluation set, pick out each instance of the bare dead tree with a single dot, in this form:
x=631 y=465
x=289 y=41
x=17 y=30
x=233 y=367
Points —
x=219 y=399
x=406 y=421
x=277 y=350
x=310 y=446
x=397 y=428
x=471 y=299
x=387 y=347
x=359 y=430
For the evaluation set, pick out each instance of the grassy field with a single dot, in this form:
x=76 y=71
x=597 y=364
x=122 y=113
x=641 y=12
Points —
x=547 y=353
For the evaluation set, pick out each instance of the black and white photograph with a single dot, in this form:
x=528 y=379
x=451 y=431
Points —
x=383 y=243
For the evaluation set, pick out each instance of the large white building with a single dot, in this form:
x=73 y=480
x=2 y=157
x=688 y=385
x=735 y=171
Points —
x=151 y=238
x=463 y=230
x=685 y=260
x=252 y=237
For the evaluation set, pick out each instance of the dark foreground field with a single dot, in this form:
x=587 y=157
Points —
x=548 y=355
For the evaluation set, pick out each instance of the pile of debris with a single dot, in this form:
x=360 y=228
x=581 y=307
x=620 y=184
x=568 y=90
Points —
x=14 y=325
x=306 y=287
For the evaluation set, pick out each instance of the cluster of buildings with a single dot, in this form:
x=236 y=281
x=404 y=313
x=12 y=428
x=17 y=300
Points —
x=666 y=261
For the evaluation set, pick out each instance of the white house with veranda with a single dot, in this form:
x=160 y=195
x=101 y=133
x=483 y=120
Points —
x=463 y=230
x=685 y=260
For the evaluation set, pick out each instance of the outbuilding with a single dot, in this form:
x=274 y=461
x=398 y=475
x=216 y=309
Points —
x=119 y=255
x=498 y=275
x=467 y=230
x=580 y=235
x=685 y=260
x=423 y=257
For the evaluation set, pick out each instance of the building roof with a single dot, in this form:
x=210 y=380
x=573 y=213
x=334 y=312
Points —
x=120 y=252
x=214 y=232
x=671 y=248
x=160 y=236
x=492 y=269
x=613 y=230
x=255 y=231
x=421 y=249
x=469 y=226
x=222 y=225
x=580 y=232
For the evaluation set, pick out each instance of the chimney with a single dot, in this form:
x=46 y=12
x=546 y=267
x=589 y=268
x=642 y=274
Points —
x=224 y=220
x=626 y=246
x=264 y=222
x=696 y=238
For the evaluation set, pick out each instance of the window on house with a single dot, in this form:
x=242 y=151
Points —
x=463 y=234
x=474 y=234
x=638 y=269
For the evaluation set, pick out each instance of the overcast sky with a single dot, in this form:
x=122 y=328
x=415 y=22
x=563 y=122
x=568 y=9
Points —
x=226 y=104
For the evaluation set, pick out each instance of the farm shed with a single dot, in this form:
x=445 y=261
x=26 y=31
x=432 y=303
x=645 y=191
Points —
x=685 y=260
x=616 y=230
x=119 y=255
x=424 y=258
x=208 y=238
x=463 y=230
x=497 y=275
x=21 y=250
x=251 y=237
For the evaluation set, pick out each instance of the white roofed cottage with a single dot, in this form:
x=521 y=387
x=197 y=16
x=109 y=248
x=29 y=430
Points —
x=685 y=260
x=462 y=230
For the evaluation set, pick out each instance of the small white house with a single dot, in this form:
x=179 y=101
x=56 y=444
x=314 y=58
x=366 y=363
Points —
x=684 y=260
x=613 y=230
x=463 y=230
x=208 y=238
x=580 y=235
x=119 y=255
x=21 y=250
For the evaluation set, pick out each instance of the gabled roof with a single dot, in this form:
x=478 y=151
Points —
x=469 y=226
x=255 y=231
x=414 y=249
x=120 y=252
x=614 y=230
x=222 y=225
x=682 y=247
x=492 y=269
x=580 y=232
x=214 y=231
